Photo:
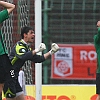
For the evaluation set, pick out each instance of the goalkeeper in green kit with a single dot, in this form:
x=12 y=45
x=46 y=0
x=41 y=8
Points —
x=6 y=71
x=97 y=47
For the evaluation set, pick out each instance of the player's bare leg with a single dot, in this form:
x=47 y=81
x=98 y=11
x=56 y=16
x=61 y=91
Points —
x=20 y=97
x=1 y=88
x=98 y=97
x=11 y=98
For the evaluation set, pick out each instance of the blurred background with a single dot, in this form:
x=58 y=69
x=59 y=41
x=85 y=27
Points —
x=63 y=22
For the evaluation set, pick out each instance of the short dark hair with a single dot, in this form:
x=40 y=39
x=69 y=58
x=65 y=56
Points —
x=25 y=30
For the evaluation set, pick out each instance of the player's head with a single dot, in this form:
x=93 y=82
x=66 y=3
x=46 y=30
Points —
x=98 y=24
x=27 y=34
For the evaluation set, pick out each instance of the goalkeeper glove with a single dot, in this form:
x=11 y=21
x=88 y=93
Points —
x=54 y=48
x=40 y=48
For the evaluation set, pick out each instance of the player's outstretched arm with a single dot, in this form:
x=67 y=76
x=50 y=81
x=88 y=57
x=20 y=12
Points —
x=8 y=6
x=54 y=49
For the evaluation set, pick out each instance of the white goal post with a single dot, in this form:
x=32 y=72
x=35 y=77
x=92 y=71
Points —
x=38 y=39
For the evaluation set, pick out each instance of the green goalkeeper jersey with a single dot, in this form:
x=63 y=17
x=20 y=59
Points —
x=97 y=47
x=3 y=16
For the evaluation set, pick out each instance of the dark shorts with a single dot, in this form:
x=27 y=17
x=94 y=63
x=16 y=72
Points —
x=6 y=69
x=11 y=88
x=98 y=83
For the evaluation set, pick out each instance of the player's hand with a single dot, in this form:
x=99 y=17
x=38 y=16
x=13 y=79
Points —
x=40 y=48
x=54 y=48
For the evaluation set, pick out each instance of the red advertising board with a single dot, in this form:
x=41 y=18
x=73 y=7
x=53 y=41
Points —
x=74 y=61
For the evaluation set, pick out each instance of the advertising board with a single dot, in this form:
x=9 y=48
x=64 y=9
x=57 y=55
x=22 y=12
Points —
x=74 y=61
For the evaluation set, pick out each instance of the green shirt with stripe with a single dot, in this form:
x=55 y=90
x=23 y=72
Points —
x=3 y=16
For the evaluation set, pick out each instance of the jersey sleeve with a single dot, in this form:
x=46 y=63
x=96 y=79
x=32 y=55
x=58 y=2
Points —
x=3 y=15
